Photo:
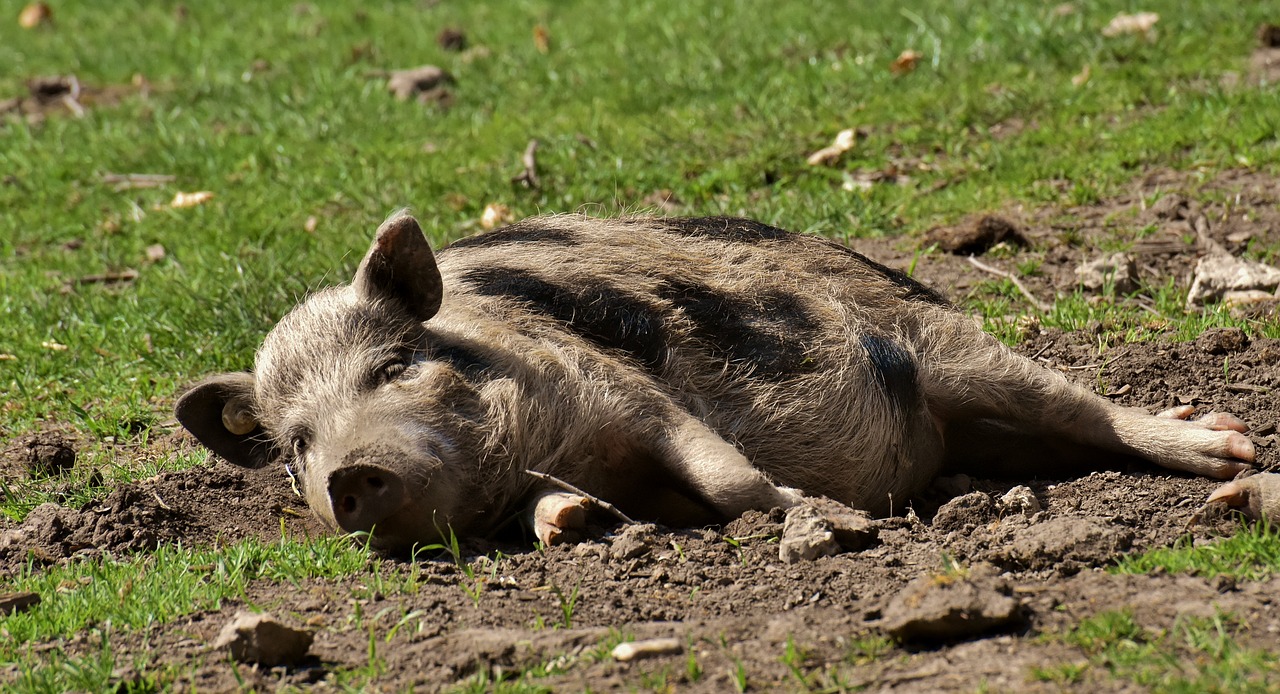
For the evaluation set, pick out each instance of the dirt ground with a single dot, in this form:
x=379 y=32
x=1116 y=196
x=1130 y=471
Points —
x=736 y=609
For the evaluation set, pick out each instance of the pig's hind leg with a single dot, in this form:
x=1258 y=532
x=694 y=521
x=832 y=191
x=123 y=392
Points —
x=999 y=404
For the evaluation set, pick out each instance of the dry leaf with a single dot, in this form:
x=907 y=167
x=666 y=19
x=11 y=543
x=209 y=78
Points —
x=34 y=15
x=5 y=356
x=310 y=225
x=190 y=199
x=1140 y=23
x=1082 y=77
x=1066 y=9
x=829 y=155
x=55 y=346
x=415 y=81
x=906 y=62
x=155 y=253
x=495 y=215
x=542 y=39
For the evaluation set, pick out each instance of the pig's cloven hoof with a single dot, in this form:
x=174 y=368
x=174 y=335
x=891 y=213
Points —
x=560 y=517
x=1256 y=496
x=1223 y=456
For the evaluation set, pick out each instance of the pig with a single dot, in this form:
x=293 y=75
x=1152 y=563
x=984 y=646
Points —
x=683 y=370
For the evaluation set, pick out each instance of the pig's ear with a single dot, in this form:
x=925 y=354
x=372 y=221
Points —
x=219 y=411
x=401 y=268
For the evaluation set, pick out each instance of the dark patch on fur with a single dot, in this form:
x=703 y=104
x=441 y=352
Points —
x=596 y=311
x=912 y=290
x=764 y=332
x=894 y=369
x=465 y=360
x=726 y=229
x=522 y=232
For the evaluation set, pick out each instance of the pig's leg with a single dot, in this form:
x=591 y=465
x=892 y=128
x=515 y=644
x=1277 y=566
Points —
x=971 y=376
x=559 y=516
x=717 y=471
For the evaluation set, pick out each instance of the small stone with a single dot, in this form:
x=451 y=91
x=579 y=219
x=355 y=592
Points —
x=1020 y=499
x=18 y=602
x=1218 y=276
x=971 y=509
x=262 y=639
x=949 y=608
x=1117 y=270
x=822 y=527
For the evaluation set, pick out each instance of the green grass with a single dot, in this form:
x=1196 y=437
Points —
x=1196 y=655
x=271 y=106
x=1252 y=553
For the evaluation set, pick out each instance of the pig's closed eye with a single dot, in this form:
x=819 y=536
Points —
x=299 y=447
x=391 y=370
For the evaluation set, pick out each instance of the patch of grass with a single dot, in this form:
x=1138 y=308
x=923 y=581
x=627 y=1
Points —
x=1252 y=553
x=107 y=596
x=1196 y=655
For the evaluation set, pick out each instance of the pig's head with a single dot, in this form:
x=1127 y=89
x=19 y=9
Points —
x=381 y=436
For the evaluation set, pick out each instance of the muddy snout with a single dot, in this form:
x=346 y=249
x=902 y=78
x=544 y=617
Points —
x=363 y=495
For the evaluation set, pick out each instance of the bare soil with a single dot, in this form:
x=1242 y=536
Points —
x=723 y=592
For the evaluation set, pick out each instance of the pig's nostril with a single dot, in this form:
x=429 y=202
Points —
x=349 y=504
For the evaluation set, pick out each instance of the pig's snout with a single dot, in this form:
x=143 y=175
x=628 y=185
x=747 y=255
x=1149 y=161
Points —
x=364 y=495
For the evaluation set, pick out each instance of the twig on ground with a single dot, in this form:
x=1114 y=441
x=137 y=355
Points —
x=574 y=490
x=529 y=177
x=1036 y=303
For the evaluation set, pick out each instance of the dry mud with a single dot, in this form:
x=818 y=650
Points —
x=739 y=613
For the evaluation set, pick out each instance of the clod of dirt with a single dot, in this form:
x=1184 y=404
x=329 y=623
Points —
x=950 y=608
x=1065 y=544
x=452 y=39
x=415 y=82
x=1117 y=270
x=1222 y=340
x=34 y=15
x=822 y=527
x=1256 y=496
x=263 y=639
x=1172 y=207
x=648 y=648
x=976 y=238
x=1019 y=500
x=1269 y=35
x=43 y=454
x=1226 y=278
x=972 y=509
x=18 y=602
x=633 y=541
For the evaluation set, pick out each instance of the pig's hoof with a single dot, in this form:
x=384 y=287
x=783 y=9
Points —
x=1213 y=445
x=559 y=517
x=1257 y=496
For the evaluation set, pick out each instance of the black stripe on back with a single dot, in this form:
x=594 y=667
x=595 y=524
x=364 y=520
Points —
x=521 y=232
x=894 y=369
x=725 y=229
x=912 y=290
x=596 y=311
x=766 y=332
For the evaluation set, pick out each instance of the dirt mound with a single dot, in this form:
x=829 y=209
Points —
x=203 y=506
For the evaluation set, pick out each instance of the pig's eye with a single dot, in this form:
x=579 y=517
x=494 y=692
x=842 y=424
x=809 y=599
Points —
x=391 y=370
x=299 y=446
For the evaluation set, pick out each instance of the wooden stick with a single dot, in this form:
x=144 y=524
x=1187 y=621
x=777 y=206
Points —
x=529 y=177
x=574 y=490
x=1036 y=303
